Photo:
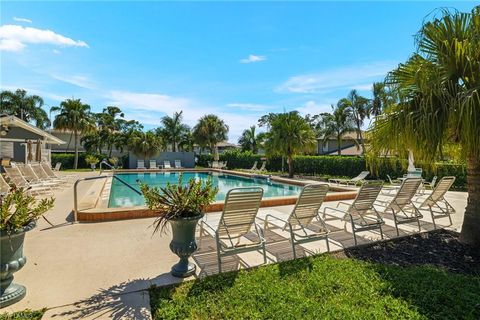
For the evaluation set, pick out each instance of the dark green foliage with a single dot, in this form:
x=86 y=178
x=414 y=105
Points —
x=67 y=159
x=323 y=287
x=23 y=315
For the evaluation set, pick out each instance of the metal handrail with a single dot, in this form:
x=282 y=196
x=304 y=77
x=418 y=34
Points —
x=105 y=163
x=75 y=195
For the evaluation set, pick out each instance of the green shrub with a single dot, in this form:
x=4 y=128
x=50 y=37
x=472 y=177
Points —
x=67 y=159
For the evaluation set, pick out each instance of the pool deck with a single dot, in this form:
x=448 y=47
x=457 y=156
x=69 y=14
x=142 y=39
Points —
x=103 y=270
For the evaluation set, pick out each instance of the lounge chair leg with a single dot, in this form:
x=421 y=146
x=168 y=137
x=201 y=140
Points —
x=264 y=254
x=433 y=219
x=328 y=244
x=381 y=232
x=293 y=247
x=354 y=236
x=219 y=259
x=396 y=225
x=450 y=218
x=419 y=227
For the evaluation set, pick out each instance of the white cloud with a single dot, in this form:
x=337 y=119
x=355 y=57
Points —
x=15 y=38
x=250 y=106
x=41 y=93
x=22 y=19
x=148 y=101
x=76 y=80
x=363 y=87
x=56 y=51
x=312 y=107
x=253 y=58
x=349 y=77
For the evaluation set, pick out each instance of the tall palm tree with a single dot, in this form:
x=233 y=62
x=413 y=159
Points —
x=440 y=102
x=209 y=131
x=289 y=135
x=250 y=140
x=73 y=116
x=360 y=110
x=173 y=129
x=186 y=142
x=145 y=144
x=25 y=107
x=335 y=125
x=109 y=124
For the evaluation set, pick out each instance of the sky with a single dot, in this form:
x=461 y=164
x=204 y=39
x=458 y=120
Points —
x=239 y=60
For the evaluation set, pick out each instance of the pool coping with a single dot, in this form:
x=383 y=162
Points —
x=100 y=211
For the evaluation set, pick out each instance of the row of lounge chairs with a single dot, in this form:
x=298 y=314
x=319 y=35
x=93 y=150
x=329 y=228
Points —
x=262 y=167
x=153 y=164
x=307 y=223
x=36 y=178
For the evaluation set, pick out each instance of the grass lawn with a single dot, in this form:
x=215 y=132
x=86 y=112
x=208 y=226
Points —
x=23 y=315
x=323 y=287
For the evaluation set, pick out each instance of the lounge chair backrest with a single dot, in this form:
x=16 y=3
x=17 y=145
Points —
x=361 y=176
x=262 y=168
x=439 y=192
x=178 y=164
x=405 y=194
x=166 y=164
x=239 y=211
x=215 y=164
x=366 y=197
x=46 y=167
x=57 y=166
x=141 y=164
x=390 y=179
x=15 y=176
x=4 y=186
x=308 y=203
x=153 y=164
x=26 y=171
x=434 y=181
x=37 y=168
x=254 y=167
x=417 y=173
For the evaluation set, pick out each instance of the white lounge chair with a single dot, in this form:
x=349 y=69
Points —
x=153 y=164
x=254 y=167
x=166 y=164
x=354 y=181
x=141 y=164
x=16 y=177
x=237 y=220
x=69 y=178
x=437 y=204
x=263 y=167
x=57 y=166
x=44 y=177
x=4 y=186
x=401 y=206
x=178 y=164
x=305 y=211
x=215 y=164
x=361 y=213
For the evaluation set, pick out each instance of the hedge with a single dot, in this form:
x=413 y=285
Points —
x=68 y=159
x=339 y=166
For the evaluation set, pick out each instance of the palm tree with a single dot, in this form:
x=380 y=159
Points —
x=144 y=144
x=173 y=129
x=110 y=123
x=186 y=142
x=335 y=125
x=209 y=131
x=360 y=110
x=289 y=134
x=440 y=103
x=76 y=117
x=25 y=107
x=249 y=140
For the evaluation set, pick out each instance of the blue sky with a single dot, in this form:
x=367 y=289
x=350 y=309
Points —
x=238 y=60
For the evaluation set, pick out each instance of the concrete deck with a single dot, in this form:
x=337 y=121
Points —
x=102 y=270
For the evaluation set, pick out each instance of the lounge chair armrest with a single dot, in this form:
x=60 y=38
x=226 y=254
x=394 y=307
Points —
x=205 y=224
x=273 y=217
x=343 y=203
x=333 y=209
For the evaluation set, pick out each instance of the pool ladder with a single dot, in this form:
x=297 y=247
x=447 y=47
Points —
x=75 y=195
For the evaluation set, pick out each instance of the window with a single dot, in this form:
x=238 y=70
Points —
x=6 y=150
x=325 y=146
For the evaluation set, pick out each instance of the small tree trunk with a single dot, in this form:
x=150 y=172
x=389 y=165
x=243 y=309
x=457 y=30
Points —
x=174 y=147
x=290 y=166
x=339 y=143
x=361 y=138
x=75 y=165
x=471 y=222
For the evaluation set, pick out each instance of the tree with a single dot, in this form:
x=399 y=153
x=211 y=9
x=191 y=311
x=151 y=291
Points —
x=109 y=125
x=249 y=140
x=335 y=125
x=144 y=144
x=359 y=107
x=209 y=131
x=186 y=142
x=73 y=116
x=440 y=102
x=173 y=129
x=25 y=107
x=289 y=135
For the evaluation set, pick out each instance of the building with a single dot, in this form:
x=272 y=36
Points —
x=18 y=139
x=350 y=145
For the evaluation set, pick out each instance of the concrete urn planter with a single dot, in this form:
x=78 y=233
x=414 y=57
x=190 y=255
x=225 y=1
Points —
x=12 y=260
x=183 y=244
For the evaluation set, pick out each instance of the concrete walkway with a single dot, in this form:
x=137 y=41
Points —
x=102 y=270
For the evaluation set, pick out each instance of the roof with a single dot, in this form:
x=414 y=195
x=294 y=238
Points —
x=350 y=151
x=224 y=144
x=352 y=135
x=16 y=122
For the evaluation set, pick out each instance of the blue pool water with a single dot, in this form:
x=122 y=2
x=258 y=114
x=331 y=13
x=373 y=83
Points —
x=122 y=196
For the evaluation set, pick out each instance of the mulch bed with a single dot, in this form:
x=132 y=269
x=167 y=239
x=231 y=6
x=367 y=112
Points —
x=439 y=248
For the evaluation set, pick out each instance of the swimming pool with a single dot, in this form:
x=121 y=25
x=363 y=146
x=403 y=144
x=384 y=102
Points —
x=122 y=196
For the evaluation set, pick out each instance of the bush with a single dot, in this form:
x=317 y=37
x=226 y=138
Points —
x=68 y=159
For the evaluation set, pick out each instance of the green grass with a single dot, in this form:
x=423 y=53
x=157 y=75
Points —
x=23 y=315
x=323 y=287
